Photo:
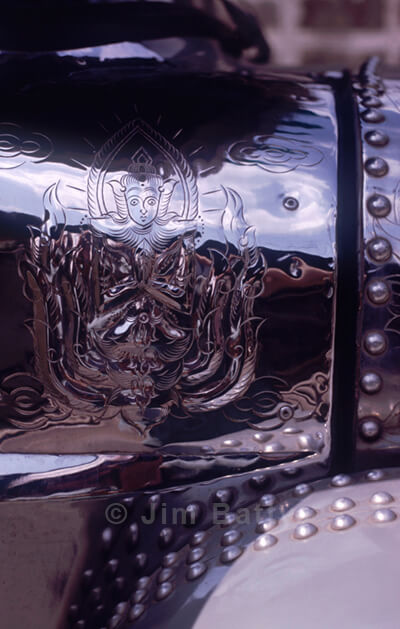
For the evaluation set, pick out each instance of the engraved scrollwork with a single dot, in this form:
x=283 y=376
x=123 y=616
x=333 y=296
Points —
x=129 y=320
x=17 y=147
x=275 y=154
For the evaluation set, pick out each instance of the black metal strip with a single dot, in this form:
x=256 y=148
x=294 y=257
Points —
x=349 y=272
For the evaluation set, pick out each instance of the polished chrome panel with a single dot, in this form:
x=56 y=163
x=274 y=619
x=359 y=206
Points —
x=170 y=267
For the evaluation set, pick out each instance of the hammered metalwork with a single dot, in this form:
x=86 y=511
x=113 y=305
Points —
x=170 y=266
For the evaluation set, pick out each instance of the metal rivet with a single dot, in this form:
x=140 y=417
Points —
x=343 y=504
x=192 y=514
x=290 y=203
x=267 y=500
x=378 y=291
x=139 y=596
x=375 y=342
x=230 y=537
x=265 y=541
x=307 y=442
x=286 y=412
x=371 y=382
x=384 y=515
x=165 y=574
x=342 y=522
x=378 y=205
x=370 y=428
x=274 y=446
x=195 y=554
x=376 y=138
x=371 y=101
x=341 y=480
x=266 y=525
x=106 y=538
x=231 y=553
x=379 y=249
x=261 y=437
x=136 y=612
x=229 y=519
x=198 y=538
x=381 y=498
x=170 y=559
x=375 y=475
x=376 y=166
x=164 y=590
x=166 y=536
x=223 y=496
x=133 y=535
x=258 y=481
x=292 y=430
x=304 y=513
x=305 y=530
x=143 y=582
x=196 y=570
x=372 y=116
x=231 y=443
x=303 y=489
x=140 y=560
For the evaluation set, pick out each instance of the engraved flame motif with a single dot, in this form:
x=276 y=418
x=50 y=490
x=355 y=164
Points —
x=129 y=320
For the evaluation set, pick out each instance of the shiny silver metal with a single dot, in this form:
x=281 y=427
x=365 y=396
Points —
x=173 y=353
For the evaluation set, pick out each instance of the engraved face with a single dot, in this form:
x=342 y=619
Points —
x=143 y=202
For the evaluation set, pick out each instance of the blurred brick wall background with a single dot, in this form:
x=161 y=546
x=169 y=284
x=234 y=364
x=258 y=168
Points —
x=332 y=33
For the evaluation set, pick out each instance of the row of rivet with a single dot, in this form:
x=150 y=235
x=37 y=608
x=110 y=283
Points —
x=341 y=522
x=378 y=249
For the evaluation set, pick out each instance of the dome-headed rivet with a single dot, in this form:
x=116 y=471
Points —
x=378 y=291
x=341 y=480
x=267 y=500
x=384 y=515
x=231 y=553
x=372 y=116
x=342 y=522
x=381 y=498
x=265 y=541
x=266 y=525
x=371 y=101
x=375 y=475
x=371 y=382
x=379 y=249
x=375 y=342
x=376 y=166
x=343 y=504
x=370 y=428
x=304 y=513
x=302 y=489
x=196 y=570
x=378 y=205
x=305 y=530
x=376 y=137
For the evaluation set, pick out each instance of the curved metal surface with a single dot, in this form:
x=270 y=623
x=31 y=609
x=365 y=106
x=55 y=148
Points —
x=156 y=252
x=378 y=413
x=330 y=554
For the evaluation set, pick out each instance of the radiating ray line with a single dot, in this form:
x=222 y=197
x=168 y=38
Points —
x=177 y=133
x=103 y=127
x=90 y=143
x=200 y=148
x=117 y=117
x=79 y=163
x=207 y=170
x=76 y=188
x=211 y=191
x=159 y=120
